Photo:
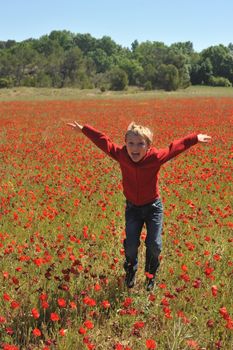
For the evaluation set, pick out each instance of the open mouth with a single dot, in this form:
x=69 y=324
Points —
x=135 y=156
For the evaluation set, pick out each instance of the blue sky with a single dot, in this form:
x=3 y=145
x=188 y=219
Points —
x=203 y=22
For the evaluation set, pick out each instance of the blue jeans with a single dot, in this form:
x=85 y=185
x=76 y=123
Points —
x=135 y=217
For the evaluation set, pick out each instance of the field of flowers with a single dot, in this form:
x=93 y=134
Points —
x=62 y=228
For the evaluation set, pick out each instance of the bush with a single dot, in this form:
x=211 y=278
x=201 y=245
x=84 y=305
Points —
x=29 y=81
x=101 y=81
x=102 y=88
x=5 y=83
x=118 y=79
x=219 y=81
x=43 y=80
x=148 y=86
x=168 y=77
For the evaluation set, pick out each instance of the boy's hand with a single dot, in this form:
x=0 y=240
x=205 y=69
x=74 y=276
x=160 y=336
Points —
x=76 y=126
x=203 y=138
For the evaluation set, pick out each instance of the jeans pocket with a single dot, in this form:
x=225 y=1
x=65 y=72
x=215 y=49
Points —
x=129 y=205
x=157 y=206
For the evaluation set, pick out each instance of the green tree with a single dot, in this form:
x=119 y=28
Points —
x=219 y=81
x=153 y=53
x=45 y=45
x=118 y=79
x=168 y=77
x=6 y=68
x=185 y=48
x=107 y=45
x=63 y=58
x=230 y=47
x=64 y=38
x=53 y=67
x=102 y=61
x=42 y=79
x=221 y=60
x=72 y=63
x=85 y=42
x=7 y=44
x=5 y=83
x=150 y=56
x=201 y=71
x=181 y=61
x=150 y=74
x=134 y=45
x=184 y=76
x=206 y=71
x=23 y=61
x=132 y=68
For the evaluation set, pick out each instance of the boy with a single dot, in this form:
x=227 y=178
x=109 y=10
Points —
x=140 y=164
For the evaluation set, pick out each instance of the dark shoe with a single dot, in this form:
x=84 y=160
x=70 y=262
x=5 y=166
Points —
x=130 y=277
x=150 y=284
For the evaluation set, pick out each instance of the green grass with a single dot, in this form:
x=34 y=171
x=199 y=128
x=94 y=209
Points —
x=28 y=93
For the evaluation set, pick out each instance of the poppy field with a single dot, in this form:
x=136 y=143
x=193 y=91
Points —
x=62 y=229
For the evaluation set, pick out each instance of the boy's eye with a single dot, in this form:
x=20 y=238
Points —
x=140 y=144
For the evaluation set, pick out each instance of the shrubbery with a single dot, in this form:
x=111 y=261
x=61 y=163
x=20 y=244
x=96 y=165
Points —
x=64 y=59
x=5 y=83
x=219 y=81
x=118 y=79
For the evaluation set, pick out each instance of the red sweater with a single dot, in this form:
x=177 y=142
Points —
x=140 y=179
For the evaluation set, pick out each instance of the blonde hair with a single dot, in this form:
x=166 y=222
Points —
x=140 y=130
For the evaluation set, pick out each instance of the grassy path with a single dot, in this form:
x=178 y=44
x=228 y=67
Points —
x=28 y=93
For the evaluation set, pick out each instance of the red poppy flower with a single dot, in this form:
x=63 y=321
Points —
x=106 y=304
x=82 y=330
x=61 y=302
x=54 y=317
x=88 y=324
x=151 y=344
x=214 y=290
x=35 y=313
x=15 y=304
x=36 y=332
x=62 y=332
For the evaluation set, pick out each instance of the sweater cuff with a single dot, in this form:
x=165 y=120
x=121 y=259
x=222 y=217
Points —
x=191 y=139
x=86 y=129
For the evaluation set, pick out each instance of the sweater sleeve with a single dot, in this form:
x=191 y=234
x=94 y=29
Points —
x=102 y=141
x=177 y=147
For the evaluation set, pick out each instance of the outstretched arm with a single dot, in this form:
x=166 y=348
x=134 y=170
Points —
x=99 y=139
x=76 y=126
x=203 y=138
x=179 y=146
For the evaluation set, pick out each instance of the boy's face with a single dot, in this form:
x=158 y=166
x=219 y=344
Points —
x=136 y=146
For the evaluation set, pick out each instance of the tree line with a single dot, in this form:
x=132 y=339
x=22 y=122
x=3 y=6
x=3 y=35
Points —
x=64 y=59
